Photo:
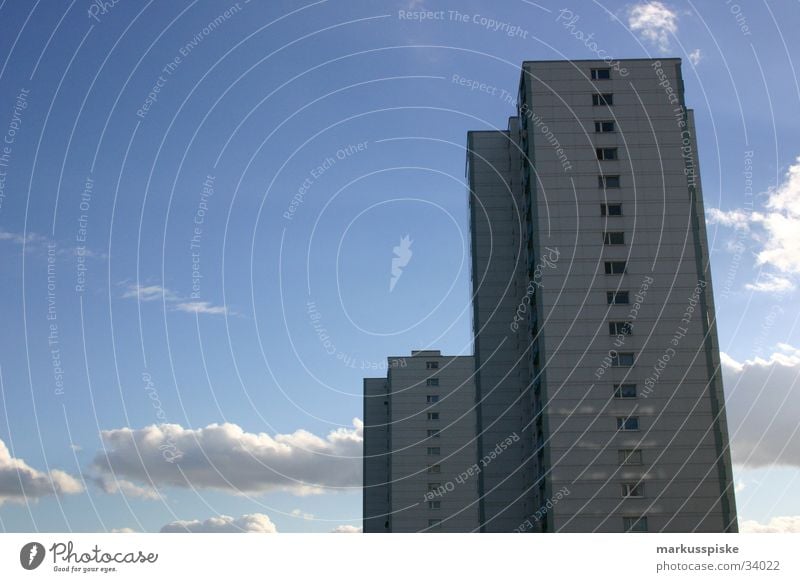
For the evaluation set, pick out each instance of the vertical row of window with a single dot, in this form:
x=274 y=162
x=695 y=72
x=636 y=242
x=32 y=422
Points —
x=434 y=524
x=619 y=329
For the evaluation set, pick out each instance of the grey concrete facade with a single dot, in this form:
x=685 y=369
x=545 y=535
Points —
x=623 y=393
x=420 y=446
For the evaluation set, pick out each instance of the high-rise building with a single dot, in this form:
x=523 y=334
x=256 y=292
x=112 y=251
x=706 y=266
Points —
x=593 y=312
x=420 y=446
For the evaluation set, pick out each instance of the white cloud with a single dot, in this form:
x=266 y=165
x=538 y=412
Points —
x=19 y=481
x=695 y=56
x=300 y=513
x=769 y=283
x=346 y=529
x=782 y=524
x=109 y=485
x=654 y=22
x=123 y=530
x=763 y=404
x=250 y=523
x=225 y=457
x=776 y=230
x=145 y=293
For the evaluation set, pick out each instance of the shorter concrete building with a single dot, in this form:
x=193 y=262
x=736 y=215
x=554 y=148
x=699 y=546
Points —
x=420 y=451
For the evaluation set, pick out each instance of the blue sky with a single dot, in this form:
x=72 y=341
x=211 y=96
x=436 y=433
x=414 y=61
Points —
x=251 y=168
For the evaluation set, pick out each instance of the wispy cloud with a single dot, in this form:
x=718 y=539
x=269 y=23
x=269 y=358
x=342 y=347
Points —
x=19 y=481
x=146 y=293
x=250 y=523
x=780 y=524
x=654 y=22
x=695 y=56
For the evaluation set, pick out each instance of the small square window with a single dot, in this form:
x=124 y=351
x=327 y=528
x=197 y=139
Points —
x=608 y=181
x=633 y=489
x=630 y=456
x=628 y=424
x=432 y=365
x=432 y=398
x=434 y=468
x=432 y=382
x=434 y=504
x=433 y=451
x=611 y=210
x=622 y=359
x=433 y=433
x=614 y=238
x=604 y=126
x=634 y=524
x=617 y=297
x=601 y=74
x=620 y=328
x=434 y=486
x=433 y=416
x=615 y=267
x=602 y=99
x=624 y=390
x=607 y=153
x=435 y=523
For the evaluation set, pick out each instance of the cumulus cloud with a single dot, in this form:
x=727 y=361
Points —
x=145 y=293
x=224 y=457
x=763 y=403
x=250 y=523
x=110 y=485
x=782 y=524
x=19 y=481
x=346 y=529
x=654 y=22
x=769 y=283
x=775 y=229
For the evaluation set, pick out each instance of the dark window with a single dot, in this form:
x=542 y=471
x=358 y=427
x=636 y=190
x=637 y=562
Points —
x=432 y=365
x=608 y=181
x=434 y=504
x=433 y=398
x=626 y=424
x=633 y=489
x=602 y=99
x=617 y=297
x=607 y=153
x=438 y=451
x=615 y=267
x=611 y=210
x=600 y=74
x=634 y=523
x=604 y=126
x=435 y=523
x=630 y=456
x=432 y=382
x=434 y=468
x=624 y=390
x=622 y=360
x=614 y=238
x=433 y=433
x=620 y=328
x=433 y=416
